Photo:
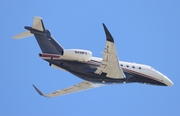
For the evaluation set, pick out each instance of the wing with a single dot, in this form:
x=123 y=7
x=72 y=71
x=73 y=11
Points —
x=110 y=63
x=76 y=88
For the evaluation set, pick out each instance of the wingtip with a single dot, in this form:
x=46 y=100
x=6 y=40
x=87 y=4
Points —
x=108 y=34
x=40 y=93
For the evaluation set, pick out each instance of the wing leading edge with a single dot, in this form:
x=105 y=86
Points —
x=110 y=63
x=76 y=88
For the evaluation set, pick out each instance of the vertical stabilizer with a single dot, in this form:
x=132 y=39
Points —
x=43 y=36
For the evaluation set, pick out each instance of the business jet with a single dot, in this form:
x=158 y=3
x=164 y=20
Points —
x=94 y=71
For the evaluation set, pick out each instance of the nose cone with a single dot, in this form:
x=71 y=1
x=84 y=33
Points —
x=167 y=81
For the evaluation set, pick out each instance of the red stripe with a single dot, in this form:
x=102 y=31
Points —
x=50 y=55
x=92 y=62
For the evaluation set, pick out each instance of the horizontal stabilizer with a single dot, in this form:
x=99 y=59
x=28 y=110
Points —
x=23 y=35
x=43 y=36
x=38 y=24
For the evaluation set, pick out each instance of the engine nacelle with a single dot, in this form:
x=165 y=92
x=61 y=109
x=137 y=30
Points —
x=77 y=54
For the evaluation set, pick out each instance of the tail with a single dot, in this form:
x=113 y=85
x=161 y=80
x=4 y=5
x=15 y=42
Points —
x=43 y=37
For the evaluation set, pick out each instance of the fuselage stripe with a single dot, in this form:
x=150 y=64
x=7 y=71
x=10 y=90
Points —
x=50 y=55
x=129 y=71
x=94 y=62
x=147 y=76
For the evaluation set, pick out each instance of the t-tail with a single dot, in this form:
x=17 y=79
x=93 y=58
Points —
x=43 y=36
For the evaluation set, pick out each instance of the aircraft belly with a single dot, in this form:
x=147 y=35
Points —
x=86 y=72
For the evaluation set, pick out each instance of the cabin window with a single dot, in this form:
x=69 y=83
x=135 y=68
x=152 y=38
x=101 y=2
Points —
x=133 y=66
x=139 y=67
x=127 y=65
x=121 y=64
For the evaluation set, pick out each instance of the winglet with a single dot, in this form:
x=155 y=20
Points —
x=108 y=34
x=40 y=93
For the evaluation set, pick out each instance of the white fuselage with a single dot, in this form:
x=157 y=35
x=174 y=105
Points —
x=134 y=68
x=142 y=69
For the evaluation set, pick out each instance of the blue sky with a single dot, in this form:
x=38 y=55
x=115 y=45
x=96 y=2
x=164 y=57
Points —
x=145 y=32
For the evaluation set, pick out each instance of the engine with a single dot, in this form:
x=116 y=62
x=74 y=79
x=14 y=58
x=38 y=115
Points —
x=77 y=54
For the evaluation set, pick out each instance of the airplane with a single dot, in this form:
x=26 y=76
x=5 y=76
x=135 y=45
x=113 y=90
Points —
x=95 y=72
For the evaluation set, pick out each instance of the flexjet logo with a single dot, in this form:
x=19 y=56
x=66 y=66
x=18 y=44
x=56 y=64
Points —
x=80 y=52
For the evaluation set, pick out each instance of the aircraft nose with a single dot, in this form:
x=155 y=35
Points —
x=167 y=81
